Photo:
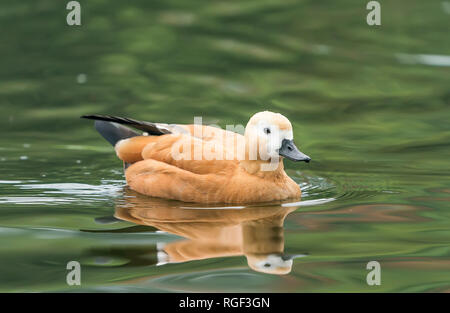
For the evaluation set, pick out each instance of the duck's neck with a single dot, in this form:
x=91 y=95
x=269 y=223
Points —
x=254 y=165
x=262 y=168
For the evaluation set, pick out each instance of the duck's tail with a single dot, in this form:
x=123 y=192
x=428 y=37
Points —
x=111 y=129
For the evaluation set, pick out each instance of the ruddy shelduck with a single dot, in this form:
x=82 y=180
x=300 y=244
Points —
x=230 y=168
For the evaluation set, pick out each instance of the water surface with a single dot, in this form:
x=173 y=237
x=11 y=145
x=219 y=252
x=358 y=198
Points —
x=369 y=105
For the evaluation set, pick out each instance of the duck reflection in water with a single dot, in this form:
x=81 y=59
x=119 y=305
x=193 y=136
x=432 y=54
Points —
x=255 y=232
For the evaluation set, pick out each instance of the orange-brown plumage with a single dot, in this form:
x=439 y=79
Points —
x=166 y=165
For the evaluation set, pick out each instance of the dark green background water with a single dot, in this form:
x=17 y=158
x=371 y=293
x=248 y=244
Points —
x=370 y=105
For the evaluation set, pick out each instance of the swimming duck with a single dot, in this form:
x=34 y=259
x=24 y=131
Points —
x=164 y=161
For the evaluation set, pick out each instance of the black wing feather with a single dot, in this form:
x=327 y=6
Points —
x=148 y=127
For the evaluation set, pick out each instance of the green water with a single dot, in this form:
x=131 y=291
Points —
x=370 y=105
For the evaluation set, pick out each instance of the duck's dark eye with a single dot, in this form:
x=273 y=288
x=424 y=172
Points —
x=267 y=130
x=266 y=264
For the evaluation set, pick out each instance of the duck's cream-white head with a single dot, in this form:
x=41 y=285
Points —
x=269 y=135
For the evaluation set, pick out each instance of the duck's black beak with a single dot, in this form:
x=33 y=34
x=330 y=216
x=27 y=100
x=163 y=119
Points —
x=290 y=151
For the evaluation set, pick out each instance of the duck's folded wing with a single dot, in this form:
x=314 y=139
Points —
x=130 y=150
x=183 y=151
x=162 y=180
x=192 y=154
